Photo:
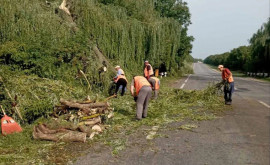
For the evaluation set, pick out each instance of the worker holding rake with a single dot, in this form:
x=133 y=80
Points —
x=228 y=84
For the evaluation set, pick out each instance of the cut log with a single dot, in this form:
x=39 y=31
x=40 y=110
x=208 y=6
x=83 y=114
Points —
x=64 y=135
x=83 y=106
x=37 y=134
x=97 y=128
x=43 y=128
x=85 y=129
x=93 y=121
x=72 y=136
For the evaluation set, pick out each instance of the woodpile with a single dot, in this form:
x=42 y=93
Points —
x=86 y=119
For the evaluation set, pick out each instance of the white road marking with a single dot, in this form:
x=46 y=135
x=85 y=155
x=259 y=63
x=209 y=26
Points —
x=182 y=86
x=263 y=103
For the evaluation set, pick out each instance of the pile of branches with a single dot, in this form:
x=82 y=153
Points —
x=86 y=119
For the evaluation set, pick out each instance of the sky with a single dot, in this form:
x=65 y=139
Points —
x=219 y=26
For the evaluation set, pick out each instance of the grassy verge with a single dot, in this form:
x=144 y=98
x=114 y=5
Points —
x=173 y=105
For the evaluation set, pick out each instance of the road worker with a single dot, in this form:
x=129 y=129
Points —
x=148 y=70
x=120 y=80
x=119 y=71
x=155 y=86
x=142 y=95
x=229 y=84
x=148 y=73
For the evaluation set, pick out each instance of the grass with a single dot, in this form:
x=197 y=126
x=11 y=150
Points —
x=173 y=105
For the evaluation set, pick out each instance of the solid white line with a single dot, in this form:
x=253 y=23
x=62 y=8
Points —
x=263 y=103
x=182 y=86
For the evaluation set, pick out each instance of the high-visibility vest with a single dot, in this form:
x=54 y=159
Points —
x=139 y=82
x=148 y=73
x=157 y=82
x=120 y=76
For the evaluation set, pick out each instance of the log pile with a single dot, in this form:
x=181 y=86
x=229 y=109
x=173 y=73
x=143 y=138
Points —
x=86 y=120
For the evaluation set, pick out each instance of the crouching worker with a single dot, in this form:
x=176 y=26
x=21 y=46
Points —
x=120 y=80
x=142 y=96
x=155 y=83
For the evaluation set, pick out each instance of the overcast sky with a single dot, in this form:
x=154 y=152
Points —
x=219 y=26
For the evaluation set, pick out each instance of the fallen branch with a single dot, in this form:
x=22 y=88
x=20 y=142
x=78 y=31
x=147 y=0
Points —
x=83 y=106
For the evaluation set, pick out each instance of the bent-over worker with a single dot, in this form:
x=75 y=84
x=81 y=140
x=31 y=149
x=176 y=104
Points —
x=120 y=80
x=229 y=84
x=155 y=85
x=142 y=95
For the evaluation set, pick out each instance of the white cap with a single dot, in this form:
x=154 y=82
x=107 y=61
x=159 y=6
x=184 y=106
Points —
x=220 y=66
x=117 y=66
x=145 y=61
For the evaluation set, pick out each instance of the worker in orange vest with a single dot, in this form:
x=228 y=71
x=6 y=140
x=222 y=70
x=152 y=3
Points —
x=155 y=85
x=142 y=95
x=229 y=84
x=120 y=80
x=148 y=70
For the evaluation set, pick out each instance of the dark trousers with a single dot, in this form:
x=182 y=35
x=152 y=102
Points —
x=228 y=92
x=120 y=82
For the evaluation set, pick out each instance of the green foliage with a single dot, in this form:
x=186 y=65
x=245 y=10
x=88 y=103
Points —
x=260 y=49
x=42 y=49
x=252 y=58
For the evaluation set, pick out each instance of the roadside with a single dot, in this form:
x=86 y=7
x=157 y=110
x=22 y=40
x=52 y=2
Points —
x=180 y=110
x=173 y=105
x=241 y=74
x=237 y=136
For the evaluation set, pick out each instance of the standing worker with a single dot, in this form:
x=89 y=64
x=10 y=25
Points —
x=229 y=84
x=142 y=96
x=148 y=72
x=120 y=80
x=155 y=86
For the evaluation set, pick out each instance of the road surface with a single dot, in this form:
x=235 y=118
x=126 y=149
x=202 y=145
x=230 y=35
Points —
x=240 y=137
x=247 y=88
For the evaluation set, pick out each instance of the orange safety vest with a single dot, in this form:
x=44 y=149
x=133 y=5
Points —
x=139 y=82
x=157 y=83
x=148 y=73
x=225 y=74
x=118 y=77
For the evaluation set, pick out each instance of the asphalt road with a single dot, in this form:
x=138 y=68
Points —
x=247 y=88
x=239 y=137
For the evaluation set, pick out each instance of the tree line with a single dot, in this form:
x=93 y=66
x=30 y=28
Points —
x=252 y=58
